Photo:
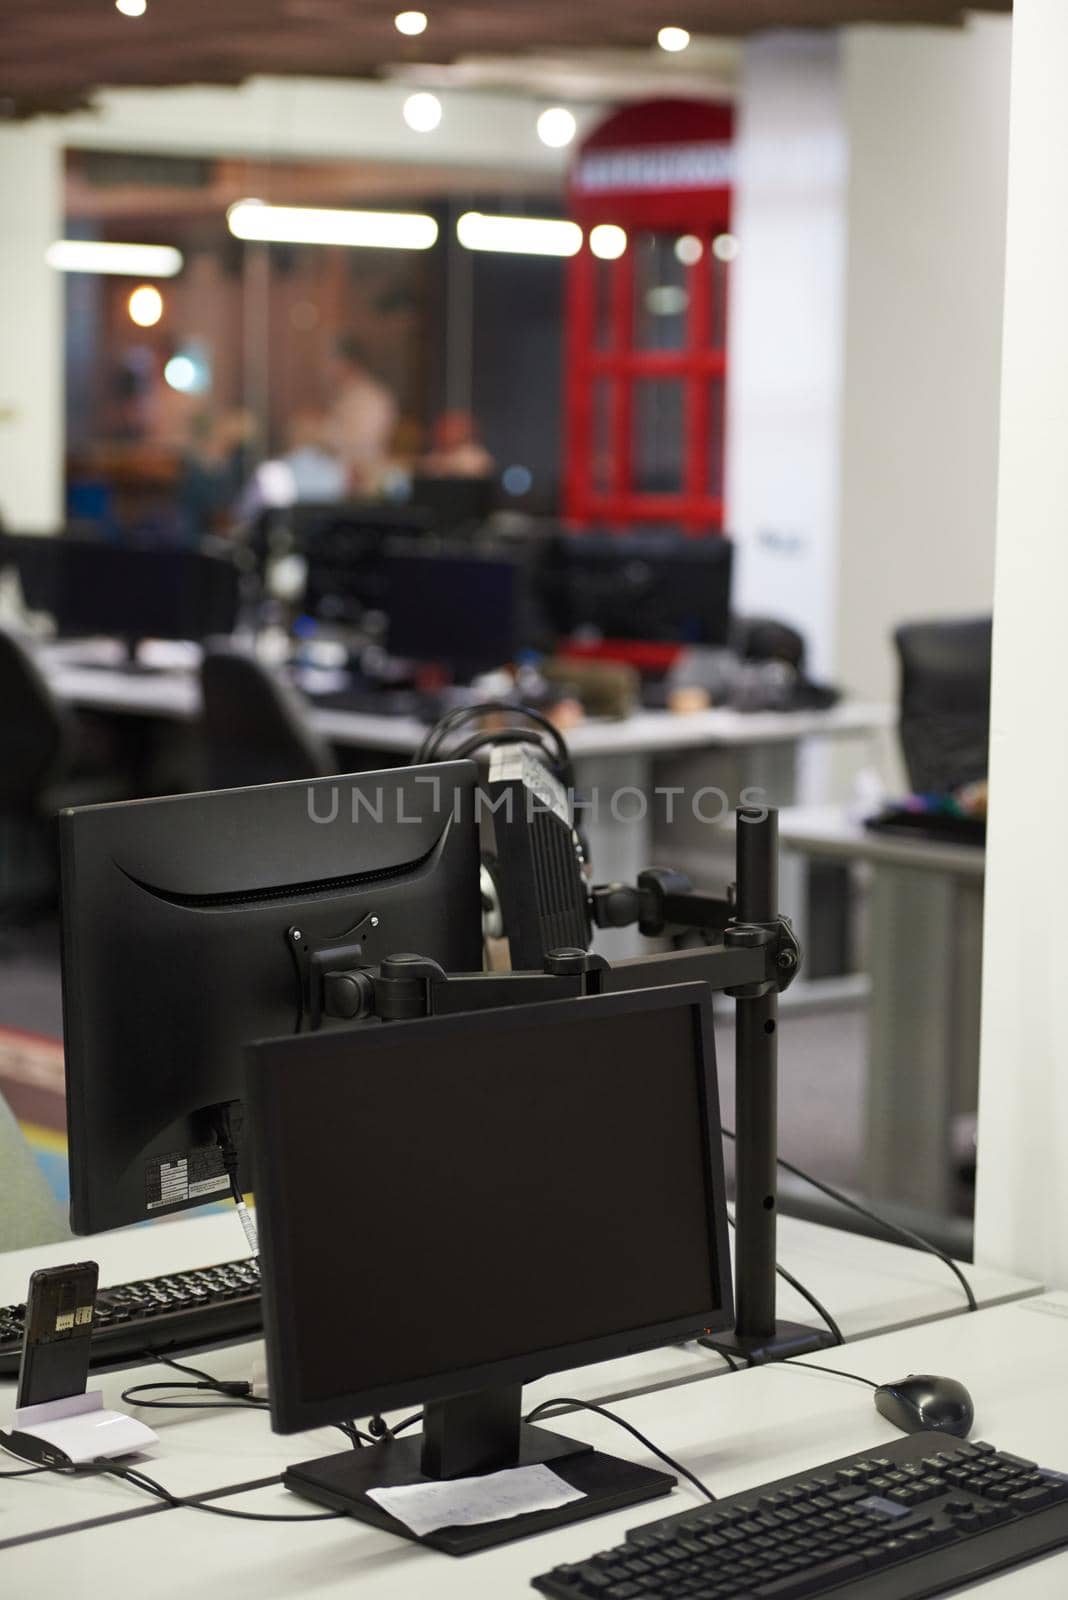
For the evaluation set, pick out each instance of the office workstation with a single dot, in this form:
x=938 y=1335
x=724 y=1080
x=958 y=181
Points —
x=525 y=888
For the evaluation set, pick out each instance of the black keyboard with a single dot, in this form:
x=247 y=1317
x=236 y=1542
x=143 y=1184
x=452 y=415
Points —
x=180 y=1312
x=926 y=1515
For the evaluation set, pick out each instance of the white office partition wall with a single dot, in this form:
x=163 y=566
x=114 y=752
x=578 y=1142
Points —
x=1022 y=1212
x=31 y=331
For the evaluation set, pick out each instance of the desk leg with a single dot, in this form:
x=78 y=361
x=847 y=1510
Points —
x=925 y=942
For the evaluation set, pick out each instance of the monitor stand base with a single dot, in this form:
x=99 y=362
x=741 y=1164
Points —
x=340 y=1482
x=756 y=1350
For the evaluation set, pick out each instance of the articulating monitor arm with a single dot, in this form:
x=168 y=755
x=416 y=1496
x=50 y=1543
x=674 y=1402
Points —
x=758 y=958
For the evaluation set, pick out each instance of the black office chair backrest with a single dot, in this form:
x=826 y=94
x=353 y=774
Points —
x=945 y=702
x=35 y=732
x=256 y=728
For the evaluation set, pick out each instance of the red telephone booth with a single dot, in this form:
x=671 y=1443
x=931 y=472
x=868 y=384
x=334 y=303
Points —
x=647 y=319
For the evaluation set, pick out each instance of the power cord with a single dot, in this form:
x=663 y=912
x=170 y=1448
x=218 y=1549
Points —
x=545 y=1409
x=141 y=1480
x=224 y=1137
x=235 y=1394
x=915 y=1239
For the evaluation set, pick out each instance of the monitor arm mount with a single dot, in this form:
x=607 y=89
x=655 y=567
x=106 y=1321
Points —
x=755 y=958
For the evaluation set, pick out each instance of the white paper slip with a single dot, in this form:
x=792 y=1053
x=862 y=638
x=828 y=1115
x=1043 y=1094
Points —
x=465 y=1502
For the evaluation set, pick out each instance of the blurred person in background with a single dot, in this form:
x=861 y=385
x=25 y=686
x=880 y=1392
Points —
x=456 y=450
x=362 y=419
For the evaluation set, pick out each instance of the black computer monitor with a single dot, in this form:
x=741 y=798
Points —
x=455 y=503
x=345 y=548
x=93 y=587
x=454 y=1206
x=461 y=610
x=194 y=924
x=655 y=586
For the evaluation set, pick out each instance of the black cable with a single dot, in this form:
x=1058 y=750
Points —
x=140 y=1480
x=23 y=1472
x=661 y=1455
x=897 y=1228
x=836 y=1372
x=235 y=1394
x=431 y=747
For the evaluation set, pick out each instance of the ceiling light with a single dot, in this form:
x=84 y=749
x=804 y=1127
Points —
x=377 y=230
x=607 y=241
x=132 y=8
x=422 y=112
x=145 y=306
x=673 y=39
x=688 y=249
x=521 y=236
x=556 y=127
x=129 y=260
x=410 y=22
x=725 y=247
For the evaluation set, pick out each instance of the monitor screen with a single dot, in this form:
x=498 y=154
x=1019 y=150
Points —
x=91 y=587
x=461 y=610
x=519 y=1191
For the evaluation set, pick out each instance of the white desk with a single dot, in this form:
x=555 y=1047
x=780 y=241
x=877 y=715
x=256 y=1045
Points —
x=649 y=781
x=764 y=1425
x=925 y=931
x=869 y=1287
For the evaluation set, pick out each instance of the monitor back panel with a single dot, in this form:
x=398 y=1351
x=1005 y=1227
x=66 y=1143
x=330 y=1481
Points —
x=178 y=919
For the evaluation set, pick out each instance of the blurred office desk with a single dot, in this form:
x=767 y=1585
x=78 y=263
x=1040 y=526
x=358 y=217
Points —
x=654 y=786
x=768 y=1423
x=925 y=925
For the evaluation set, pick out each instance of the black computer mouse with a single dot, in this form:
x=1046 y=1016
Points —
x=921 y=1403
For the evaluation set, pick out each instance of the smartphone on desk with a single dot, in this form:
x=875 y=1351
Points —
x=58 y=1331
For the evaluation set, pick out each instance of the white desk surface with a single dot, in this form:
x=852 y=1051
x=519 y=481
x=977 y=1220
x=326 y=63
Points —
x=838 y=832
x=177 y=695
x=766 y=1424
x=868 y=1286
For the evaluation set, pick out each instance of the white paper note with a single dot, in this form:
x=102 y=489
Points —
x=464 y=1502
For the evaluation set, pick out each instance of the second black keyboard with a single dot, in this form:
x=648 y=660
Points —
x=180 y=1311
x=924 y=1516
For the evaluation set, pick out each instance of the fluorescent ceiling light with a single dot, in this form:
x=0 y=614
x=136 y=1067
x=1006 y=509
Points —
x=132 y=8
x=380 y=230
x=128 y=260
x=522 y=236
x=673 y=39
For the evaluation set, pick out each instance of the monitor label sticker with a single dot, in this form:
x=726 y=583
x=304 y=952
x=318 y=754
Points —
x=185 y=1175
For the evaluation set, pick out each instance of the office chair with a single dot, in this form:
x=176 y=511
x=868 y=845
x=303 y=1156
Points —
x=945 y=702
x=36 y=740
x=255 y=727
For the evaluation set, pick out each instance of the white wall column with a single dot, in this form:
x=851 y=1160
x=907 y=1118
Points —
x=31 y=330
x=787 y=314
x=927 y=116
x=1023 y=1109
